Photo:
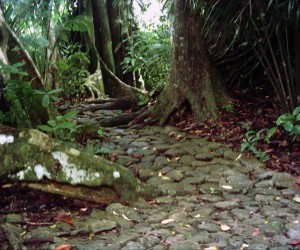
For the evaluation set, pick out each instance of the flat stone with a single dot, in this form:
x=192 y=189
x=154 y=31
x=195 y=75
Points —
x=97 y=226
x=281 y=240
x=177 y=188
x=226 y=204
x=146 y=174
x=157 y=217
x=193 y=180
x=121 y=211
x=175 y=152
x=204 y=156
x=209 y=227
x=140 y=144
x=148 y=241
x=293 y=231
x=283 y=180
x=240 y=214
x=133 y=245
x=184 y=245
x=175 y=175
x=187 y=160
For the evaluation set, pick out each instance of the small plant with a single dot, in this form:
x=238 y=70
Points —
x=228 y=107
x=213 y=191
x=244 y=125
x=49 y=96
x=249 y=144
x=100 y=133
x=60 y=125
x=290 y=123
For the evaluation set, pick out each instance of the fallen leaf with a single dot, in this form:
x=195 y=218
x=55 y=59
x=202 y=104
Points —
x=244 y=246
x=256 y=233
x=153 y=202
x=227 y=187
x=65 y=218
x=297 y=199
x=211 y=248
x=125 y=217
x=167 y=221
x=295 y=242
x=165 y=178
x=114 y=155
x=295 y=222
x=225 y=228
x=63 y=247
x=115 y=213
x=240 y=155
x=197 y=216
x=167 y=243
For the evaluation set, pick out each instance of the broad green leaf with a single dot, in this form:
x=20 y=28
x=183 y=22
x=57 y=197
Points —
x=40 y=92
x=55 y=91
x=296 y=111
x=270 y=133
x=298 y=117
x=45 y=128
x=296 y=130
x=52 y=123
x=58 y=118
x=68 y=125
x=45 y=101
x=42 y=42
x=284 y=118
x=54 y=98
x=62 y=65
x=70 y=114
x=288 y=126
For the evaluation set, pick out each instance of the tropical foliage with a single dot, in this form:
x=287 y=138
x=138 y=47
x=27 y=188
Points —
x=149 y=54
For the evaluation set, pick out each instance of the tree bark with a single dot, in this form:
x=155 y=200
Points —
x=193 y=77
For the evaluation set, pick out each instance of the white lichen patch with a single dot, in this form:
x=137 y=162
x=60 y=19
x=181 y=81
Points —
x=21 y=175
x=97 y=175
x=116 y=174
x=6 y=139
x=41 y=172
x=71 y=171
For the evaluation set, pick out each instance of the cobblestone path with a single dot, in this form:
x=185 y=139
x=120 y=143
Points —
x=212 y=198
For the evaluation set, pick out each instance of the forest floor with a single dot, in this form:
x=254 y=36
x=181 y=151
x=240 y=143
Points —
x=253 y=110
x=177 y=220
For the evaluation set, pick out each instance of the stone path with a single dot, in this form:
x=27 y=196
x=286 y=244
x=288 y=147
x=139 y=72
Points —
x=212 y=198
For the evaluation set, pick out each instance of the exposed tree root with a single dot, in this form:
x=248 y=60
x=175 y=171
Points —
x=121 y=103
x=119 y=120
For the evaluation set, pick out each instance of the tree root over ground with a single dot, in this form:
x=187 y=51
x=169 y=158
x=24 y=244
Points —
x=44 y=164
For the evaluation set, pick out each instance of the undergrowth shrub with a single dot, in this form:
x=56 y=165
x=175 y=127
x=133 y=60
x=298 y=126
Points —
x=18 y=94
x=72 y=71
x=149 y=55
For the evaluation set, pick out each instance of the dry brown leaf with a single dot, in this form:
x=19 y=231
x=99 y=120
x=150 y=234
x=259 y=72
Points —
x=63 y=247
x=295 y=242
x=256 y=233
x=167 y=221
x=225 y=228
x=65 y=218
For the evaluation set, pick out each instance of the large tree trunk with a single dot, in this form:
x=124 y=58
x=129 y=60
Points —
x=103 y=41
x=192 y=76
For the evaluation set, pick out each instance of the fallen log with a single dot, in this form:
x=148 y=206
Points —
x=33 y=159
